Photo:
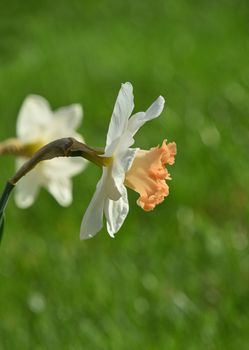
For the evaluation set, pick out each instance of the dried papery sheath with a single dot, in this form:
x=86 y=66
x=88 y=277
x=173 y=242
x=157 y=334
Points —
x=65 y=147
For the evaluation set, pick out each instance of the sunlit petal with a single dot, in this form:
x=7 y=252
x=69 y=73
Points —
x=116 y=174
x=139 y=119
x=33 y=119
x=116 y=212
x=27 y=188
x=93 y=219
x=63 y=167
x=61 y=190
x=122 y=110
x=65 y=121
x=114 y=181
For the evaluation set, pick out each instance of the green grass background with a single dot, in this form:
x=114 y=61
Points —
x=175 y=278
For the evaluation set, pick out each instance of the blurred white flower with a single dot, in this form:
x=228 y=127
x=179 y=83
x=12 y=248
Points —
x=110 y=197
x=38 y=125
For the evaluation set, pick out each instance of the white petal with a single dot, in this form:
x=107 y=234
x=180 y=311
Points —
x=63 y=167
x=61 y=190
x=124 y=142
x=27 y=189
x=65 y=121
x=34 y=118
x=93 y=219
x=110 y=150
x=122 y=110
x=115 y=174
x=138 y=119
x=71 y=116
x=127 y=158
x=116 y=212
x=113 y=182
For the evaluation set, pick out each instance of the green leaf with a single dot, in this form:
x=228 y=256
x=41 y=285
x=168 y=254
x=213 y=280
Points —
x=1 y=226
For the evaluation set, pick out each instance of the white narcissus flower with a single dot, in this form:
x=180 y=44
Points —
x=143 y=171
x=38 y=125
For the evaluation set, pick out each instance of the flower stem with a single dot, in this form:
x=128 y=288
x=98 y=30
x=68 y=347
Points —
x=3 y=202
x=5 y=196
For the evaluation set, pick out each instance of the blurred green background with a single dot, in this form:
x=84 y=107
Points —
x=175 y=278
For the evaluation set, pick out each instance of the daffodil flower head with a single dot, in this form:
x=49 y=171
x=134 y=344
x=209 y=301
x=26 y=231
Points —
x=143 y=171
x=38 y=125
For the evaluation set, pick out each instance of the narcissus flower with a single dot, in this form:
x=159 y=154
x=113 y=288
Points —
x=142 y=171
x=37 y=125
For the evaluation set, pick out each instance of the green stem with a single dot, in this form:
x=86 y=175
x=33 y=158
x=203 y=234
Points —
x=3 y=202
x=5 y=196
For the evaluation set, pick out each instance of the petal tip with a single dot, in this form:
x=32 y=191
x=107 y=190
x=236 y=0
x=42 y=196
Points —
x=78 y=108
x=24 y=203
x=127 y=86
x=84 y=236
x=161 y=99
x=111 y=231
x=34 y=98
